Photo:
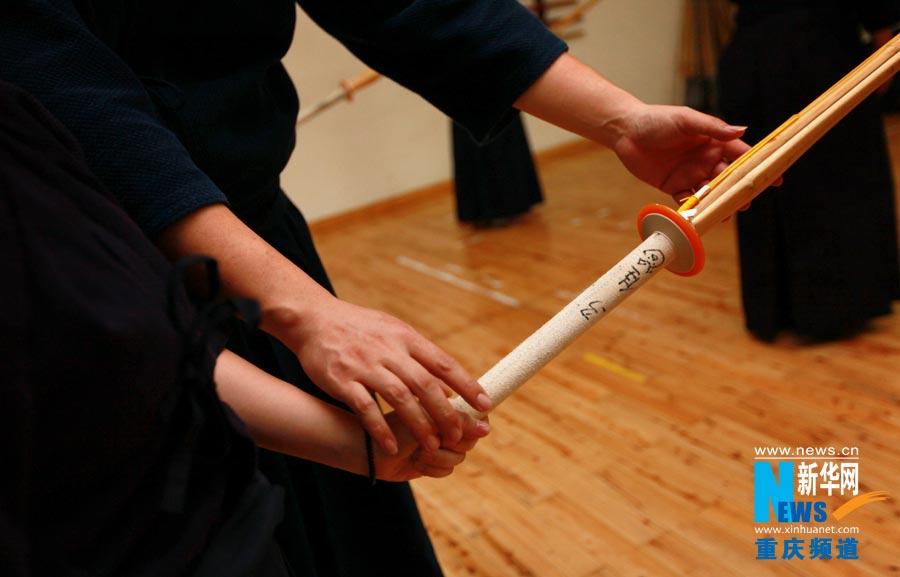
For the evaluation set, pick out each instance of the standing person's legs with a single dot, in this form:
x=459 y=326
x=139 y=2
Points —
x=495 y=180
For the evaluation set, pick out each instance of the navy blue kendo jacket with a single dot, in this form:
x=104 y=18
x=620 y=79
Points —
x=180 y=104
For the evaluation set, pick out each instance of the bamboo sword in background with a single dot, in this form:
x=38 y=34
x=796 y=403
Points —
x=346 y=91
x=672 y=239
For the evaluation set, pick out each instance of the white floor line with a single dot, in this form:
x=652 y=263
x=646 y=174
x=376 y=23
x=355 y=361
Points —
x=457 y=282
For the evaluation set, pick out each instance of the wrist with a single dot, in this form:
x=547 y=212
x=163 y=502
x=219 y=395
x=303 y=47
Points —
x=249 y=267
x=614 y=114
x=289 y=317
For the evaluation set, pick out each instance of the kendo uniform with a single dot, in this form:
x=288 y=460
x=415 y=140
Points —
x=818 y=255
x=179 y=105
x=495 y=180
x=119 y=460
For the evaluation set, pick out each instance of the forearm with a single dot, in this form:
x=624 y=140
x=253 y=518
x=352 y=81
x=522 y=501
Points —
x=673 y=148
x=248 y=267
x=573 y=96
x=282 y=418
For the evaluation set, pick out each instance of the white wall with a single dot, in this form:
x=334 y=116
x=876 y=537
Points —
x=388 y=141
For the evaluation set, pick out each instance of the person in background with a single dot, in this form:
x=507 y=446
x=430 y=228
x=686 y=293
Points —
x=186 y=114
x=494 y=181
x=818 y=255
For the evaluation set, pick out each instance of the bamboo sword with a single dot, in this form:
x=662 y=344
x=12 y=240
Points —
x=672 y=239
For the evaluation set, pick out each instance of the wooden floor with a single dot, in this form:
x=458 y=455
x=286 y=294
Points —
x=632 y=453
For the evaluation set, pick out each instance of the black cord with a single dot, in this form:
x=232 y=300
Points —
x=370 y=455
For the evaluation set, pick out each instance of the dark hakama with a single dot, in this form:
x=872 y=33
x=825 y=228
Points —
x=819 y=254
x=494 y=180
